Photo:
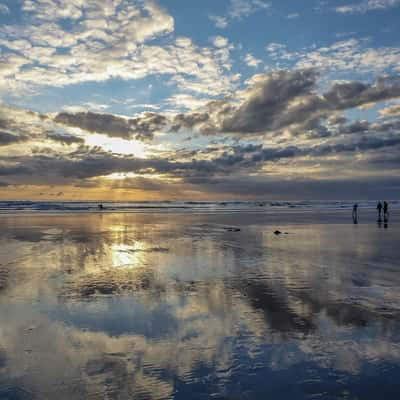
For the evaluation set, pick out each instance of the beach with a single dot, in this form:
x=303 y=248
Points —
x=186 y=305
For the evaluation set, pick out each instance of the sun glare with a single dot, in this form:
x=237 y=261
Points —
x=117 y=145
x=127 y=255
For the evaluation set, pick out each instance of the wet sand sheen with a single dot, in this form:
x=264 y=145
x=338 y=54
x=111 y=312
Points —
x=145 y=306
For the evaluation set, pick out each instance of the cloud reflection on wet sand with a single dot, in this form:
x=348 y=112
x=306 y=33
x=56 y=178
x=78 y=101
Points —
x=141 y=306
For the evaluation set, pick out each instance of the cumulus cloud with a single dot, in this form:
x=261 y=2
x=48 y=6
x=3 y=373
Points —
x=267 y=100
x=284 y=98
x=280 y=123
x=106 y=40
x=140 y=128
x=272 y=102
x=95 y=43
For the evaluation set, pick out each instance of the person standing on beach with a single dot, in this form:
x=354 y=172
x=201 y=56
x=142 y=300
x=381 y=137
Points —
x=385 y=210
x=379 y=208
x=355 y=214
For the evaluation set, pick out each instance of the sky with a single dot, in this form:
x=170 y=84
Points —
x=210 y=100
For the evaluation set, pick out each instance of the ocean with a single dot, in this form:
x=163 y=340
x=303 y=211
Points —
x=187 y=206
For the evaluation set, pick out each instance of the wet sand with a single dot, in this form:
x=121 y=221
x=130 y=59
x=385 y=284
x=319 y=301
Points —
x=160 y=306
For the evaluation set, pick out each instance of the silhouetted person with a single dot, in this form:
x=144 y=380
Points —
x=385 y=224
x=385 y=211
x=101 y=206
x=379 y=208
x=355 y=213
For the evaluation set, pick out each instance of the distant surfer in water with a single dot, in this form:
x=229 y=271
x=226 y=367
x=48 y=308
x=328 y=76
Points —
x=101 y=207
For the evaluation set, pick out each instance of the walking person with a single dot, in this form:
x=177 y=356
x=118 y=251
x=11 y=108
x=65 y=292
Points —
x=355 y=213
x=379 y=208
x=385 y=211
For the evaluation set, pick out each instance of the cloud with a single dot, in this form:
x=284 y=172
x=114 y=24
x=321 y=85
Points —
x=139 y=128
x=271 y=102
x=243 y=8
x=189 y=120
x=391 y=111
x=19 y=125
x=283 y=123
x=239 y=9
x=95 y=42
x=267 y=99
x=8 y=138
x=220 y=22
x=351 y=55
x=220 y=41
x=348 y=55
x=4 y=9
x=283 y=99
x=367 y=5
x=98 y=47
x=65 y=139
x=87 y=163
x=251 y=61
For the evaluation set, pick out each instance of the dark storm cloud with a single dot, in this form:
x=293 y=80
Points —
x=9 y=138
x=140 y=128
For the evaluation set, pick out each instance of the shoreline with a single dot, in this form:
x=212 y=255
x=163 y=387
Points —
x=245 y=217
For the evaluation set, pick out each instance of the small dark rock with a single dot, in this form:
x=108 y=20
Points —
x=277 y=232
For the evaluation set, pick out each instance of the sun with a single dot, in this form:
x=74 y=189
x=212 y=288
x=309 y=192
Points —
x=118 y=145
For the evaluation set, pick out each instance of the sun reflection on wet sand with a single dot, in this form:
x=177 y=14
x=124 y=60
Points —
x=177 y=306
x=127 y=256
